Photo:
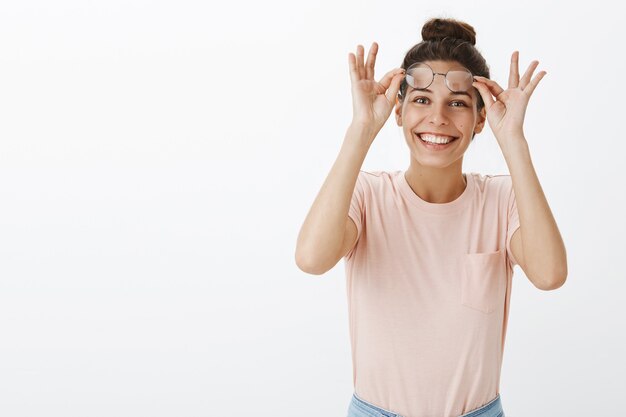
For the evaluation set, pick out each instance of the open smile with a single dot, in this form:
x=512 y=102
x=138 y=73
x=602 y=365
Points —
x=435 y=142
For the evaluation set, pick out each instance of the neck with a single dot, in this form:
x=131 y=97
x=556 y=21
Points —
x=436 y=185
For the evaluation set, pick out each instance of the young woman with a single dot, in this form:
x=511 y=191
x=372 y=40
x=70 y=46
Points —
x=429 y=252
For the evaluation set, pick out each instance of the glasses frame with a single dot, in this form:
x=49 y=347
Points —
x=445 y=76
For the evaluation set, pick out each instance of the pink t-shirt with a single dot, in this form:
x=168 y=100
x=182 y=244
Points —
x=428 y=289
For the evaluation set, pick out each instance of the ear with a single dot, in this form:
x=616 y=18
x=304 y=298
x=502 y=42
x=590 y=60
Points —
x=482 y=118
x=398 y=111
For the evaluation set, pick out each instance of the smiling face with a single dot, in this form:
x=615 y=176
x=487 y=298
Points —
x=443 y=114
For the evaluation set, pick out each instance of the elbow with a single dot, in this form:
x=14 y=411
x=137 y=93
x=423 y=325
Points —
x=548 y=279
x=552 y=285
x=556 y=281
x=305 y=266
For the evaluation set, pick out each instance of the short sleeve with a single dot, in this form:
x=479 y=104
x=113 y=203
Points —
x=512 y=222
x=357 y=209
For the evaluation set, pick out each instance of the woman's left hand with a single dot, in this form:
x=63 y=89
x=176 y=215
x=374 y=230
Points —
x=506 y=108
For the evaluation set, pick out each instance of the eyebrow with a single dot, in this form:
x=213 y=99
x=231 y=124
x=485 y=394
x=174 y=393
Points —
x=462 y=93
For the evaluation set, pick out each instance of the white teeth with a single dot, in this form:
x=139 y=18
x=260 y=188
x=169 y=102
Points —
x=436 y=139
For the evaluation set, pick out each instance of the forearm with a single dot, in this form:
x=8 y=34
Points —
x=321 y=235
x=544 y=250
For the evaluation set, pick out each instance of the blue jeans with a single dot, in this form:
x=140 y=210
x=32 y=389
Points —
x=361 y=408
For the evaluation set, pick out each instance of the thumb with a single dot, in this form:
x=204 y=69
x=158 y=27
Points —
x=485 y=94
x=392 y=91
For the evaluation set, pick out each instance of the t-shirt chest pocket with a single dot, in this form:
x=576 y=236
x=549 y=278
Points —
x=483 y=280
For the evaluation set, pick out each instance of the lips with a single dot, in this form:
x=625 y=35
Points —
x=419 y=134
x=436 y=146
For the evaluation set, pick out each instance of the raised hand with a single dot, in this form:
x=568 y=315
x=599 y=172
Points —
x=506 y=108
x=372 y=101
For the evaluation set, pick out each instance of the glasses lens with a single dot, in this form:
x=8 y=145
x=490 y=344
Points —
x=459 y=80
x=419 y=76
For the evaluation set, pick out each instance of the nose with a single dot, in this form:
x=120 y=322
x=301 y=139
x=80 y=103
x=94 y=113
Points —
x=437 y=115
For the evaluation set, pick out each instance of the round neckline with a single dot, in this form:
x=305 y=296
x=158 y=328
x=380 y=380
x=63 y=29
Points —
x=437 y=208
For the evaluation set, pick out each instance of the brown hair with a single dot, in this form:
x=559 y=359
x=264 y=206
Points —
x=447 y=40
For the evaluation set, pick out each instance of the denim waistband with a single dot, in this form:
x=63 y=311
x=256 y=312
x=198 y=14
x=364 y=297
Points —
x=361 y=408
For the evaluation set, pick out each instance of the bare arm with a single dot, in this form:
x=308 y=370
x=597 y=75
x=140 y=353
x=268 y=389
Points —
x=321 y=237
x=538 y=246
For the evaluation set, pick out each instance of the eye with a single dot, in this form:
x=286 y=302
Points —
x=456 y=103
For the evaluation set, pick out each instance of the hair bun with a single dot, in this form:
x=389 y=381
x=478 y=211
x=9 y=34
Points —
x=437 y=29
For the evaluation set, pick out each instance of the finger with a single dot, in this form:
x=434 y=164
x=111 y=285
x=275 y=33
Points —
x=354 y=73
x=359 y=61
x=493 y=86
x=371 y=61
x=485 y=93
x=533 y=84
x=383 y=85
x=514 y=71
x=392 y=92
x=529 y=73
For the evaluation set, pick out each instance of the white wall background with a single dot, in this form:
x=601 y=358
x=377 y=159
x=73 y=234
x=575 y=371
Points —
x=158 y=158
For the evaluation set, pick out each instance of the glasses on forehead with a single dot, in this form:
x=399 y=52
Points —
x=420 y=76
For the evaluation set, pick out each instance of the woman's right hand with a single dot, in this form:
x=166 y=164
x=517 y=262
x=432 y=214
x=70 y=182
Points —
x=372 y=101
